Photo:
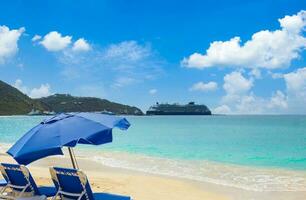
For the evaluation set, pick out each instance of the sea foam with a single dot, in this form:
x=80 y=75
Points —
x=244 y=177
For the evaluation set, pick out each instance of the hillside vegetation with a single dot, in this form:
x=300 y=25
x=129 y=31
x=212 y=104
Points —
x=68 y=103
x=14 y=102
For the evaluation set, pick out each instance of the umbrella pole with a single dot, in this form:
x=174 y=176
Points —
x=72 y=157
x=75 y=160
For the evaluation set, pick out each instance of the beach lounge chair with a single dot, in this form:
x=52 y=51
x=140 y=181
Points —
x=21 y=184
x=73 y=184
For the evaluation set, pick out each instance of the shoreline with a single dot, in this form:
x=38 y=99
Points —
x=240 y=177
x=139 y=184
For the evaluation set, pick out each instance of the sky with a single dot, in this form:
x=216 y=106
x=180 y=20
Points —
x=237 y=57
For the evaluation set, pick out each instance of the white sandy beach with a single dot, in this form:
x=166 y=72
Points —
x=145 y=186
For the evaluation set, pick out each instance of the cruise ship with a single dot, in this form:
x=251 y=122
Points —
x=177 y=109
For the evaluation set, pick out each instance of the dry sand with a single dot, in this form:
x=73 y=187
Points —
x=137 y=185
x=144 y=186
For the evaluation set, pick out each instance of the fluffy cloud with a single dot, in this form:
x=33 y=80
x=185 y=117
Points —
x=223 y=109
x=294 y=23
x=256 y=73
x=278 y=100
x=248 y=104
x=8 y=42
x=276 y=75
x=18 y=84
x=36 y=38
x=296 y=90
x=266 y=49
x=42 y=91
x=239 y=98
x=54 y=41
x=296 y=81
x=81 y=45
x=236 y=83
x=153 y=91
x=200 y=86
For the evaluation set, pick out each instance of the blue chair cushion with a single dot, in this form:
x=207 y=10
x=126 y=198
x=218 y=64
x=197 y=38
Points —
x=69 y=181
x=15 y=176
x=47 y=191
x=107 y=196
x=3 y=182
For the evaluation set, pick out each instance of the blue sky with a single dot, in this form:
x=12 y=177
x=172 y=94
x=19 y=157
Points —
x=238 y=57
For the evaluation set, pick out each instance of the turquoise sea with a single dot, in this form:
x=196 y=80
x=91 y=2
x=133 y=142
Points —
x=252 y=152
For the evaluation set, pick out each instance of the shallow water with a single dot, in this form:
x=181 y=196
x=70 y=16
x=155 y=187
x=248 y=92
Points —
x=261 y=153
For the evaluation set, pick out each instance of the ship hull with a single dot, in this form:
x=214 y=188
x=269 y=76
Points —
x=177 y=113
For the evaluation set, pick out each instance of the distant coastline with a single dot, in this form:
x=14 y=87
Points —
x=14 y=102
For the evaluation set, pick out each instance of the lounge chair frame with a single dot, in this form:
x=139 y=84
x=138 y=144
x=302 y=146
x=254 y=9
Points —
x=11 y=186
x=84 y=191
x=60 y=192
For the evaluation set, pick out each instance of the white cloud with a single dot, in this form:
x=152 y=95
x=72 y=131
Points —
x=36 y=38
x=296 y=81
x=295 y=23
x=8 y=42
x=54 y=41
x=236 y=83
x=296 y=90
x=18 y=84
x=240 y=99
x=252 y=104
x=278 y=100
x=276 y=75
x=42 y=91
x=248 y=104
x=256 y=73
x=127 y=50
x=81 y=45
x=200 y=86
x=223 y=109
x=266 y=49
x=153 y=91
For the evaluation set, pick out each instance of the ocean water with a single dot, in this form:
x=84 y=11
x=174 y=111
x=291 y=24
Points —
x=261 y=153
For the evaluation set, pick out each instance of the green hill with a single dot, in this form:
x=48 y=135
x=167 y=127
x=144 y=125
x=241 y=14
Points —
x=68 y=103
x=14 y=102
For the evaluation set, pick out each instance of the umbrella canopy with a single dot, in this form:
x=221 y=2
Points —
x=65 y=130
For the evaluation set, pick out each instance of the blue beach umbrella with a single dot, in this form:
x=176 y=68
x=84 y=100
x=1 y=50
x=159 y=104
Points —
x=65 y=130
